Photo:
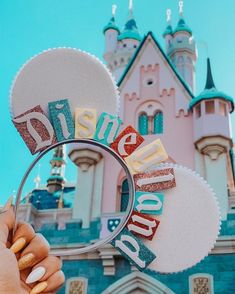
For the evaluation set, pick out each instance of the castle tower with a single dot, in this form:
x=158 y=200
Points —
x=111 y=32
x=56 y=180
x=213 y=140
x=88 y=198
x=120 y=47
x=181 y=48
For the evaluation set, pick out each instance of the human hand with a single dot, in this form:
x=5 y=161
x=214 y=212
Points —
x=25 y=264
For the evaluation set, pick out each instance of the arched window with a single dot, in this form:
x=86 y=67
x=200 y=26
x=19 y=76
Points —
x=152 y=124
x=149 y=116
x=180 y=65
x=143 y=124
x=158 y=123
x=180 y=60
x=124 y=195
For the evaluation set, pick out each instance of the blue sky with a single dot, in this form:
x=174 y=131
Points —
x=30 y=26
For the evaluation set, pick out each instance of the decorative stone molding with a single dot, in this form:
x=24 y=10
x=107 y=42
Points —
x=107 y=255
x=213 y=151
x=213 y=140
x=201 y=283
x=137 y=282
x=231 y=200
x=77 y=285
x=213 y=146
x=224 y=245
x=84 y=158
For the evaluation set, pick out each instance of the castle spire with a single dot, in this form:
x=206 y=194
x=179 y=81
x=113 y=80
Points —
x=56 y=180
x=130 y=29
x=168 y=30
x=112 y=23
x=210 y=92
x=37 y=180
x=209 y=80
x=182 y=26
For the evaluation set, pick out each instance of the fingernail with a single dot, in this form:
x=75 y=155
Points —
x=36 y=275
x=26 y=261
x=8 y=204
x=18 y=245
x=39 y=288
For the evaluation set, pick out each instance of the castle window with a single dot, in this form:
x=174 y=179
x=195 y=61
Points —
x=222 y=109
x=115 y=62
x=198 y=111
x=201 y=283
x=124 y=195
x=76 y=286
x=149 y=82
x=210 y=106
x=124 y=45
x=143 y=124
x=122 y=60
x=158 y=123
x=152 y=124
x=135 y=46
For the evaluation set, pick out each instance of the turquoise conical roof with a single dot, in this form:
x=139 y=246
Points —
x=111 y=25
x=182 y=26
x=210 y=91
x=168 y=30
x=130 y=31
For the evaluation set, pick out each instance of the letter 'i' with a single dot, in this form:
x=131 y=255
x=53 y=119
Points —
x=61 y=119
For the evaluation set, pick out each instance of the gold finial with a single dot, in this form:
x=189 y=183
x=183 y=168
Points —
x=61 y=200
x=114 y=8
x=168 y=15
x=181 y=7
x=37 y=180
x=131 y=6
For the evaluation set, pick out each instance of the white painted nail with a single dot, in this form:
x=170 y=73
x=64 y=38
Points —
x=36 y=275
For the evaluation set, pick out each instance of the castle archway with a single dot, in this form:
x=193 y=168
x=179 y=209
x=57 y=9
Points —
x=137 y=283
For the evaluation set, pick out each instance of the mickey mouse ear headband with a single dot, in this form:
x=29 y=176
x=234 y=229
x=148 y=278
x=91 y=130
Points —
x=68 y=96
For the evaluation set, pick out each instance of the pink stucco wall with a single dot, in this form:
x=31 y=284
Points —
x=166 y=94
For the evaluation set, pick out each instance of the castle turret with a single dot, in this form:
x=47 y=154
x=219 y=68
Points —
x=56 y=180
x=120 y=47
x=182 y=49
x=111 y=32
x=213 y=139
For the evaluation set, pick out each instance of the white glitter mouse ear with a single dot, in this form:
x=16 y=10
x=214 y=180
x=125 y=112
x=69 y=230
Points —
x=189 y=223
x=64 y=73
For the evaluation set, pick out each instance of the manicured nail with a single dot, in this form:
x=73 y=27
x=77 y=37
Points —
x=26 y=261
x=36 y=275
x=8 y=204
x=18 y=245
x=39 y=288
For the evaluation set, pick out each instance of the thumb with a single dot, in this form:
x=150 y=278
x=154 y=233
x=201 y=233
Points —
x=7 y=220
